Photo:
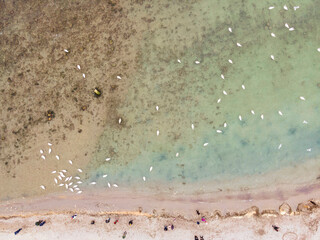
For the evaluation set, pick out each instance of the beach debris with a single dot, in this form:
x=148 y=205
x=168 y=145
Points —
x=219 y=100
x=150 y=169
x=49 y=151
x=109 y=185
x=179 y=61
x=124 y=234
x=63 y=170
x=118 y=77
x=130 y=222
x=272 y=7
x=219 y=131
x=165 y=228
x=115 y=185
x=224 y=92
x=240 y=117
x=273 y=35
x=83 y=75
x=196 y=62
x=222 y=76
x=79 y=192
x=309 y=149
x=201 y=238
x=66 y=50
x=50 y=115
x=70 y=162
x=74 y=216
x=92 y=222
x=49 y=144
x=285 y=7
x=302 y=98
x=192 y=126
x=172 y=227
x=286 y=25
x=144 y=178
x=76 y=177
x=158 y=132
x=120 y=120
x=280 y=145
x=16 y=232
x=57 y=157
x=104 y=176
x=272 y=57
x=243 y=87
x=280 y=113
x=318 y=49
x=108 y=159
x=230 y=29
x=225 y=124
x=53 y=171
x=305 y=122
x=97 y=92
x=205 y=144
x=230 y=61
x=43 y=157
x=177 y=154
x=197 y=211
x=239 y=45
x=55 y=180
x=196 y=238
x=157 y=108
x=43 y=187
x=80 y=170
x=41 y=151
x=108 y=220
x=295 y=7
x=275 y=228
x=262 y=117
x=61 y=184
x=291 y=29
x=252 y=112
x=93 y=183
x=115 y=222
x=78 y=66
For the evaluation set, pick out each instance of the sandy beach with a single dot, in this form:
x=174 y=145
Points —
x=249 y=224
x=150 y=214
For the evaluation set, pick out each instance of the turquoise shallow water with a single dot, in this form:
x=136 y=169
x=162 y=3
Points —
x=187 y=93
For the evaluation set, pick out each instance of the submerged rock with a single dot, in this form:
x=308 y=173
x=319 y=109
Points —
x=285 y=209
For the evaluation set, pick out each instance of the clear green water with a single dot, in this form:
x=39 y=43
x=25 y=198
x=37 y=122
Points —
x=187 y=93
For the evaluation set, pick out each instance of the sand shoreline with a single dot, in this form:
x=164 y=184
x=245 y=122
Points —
x=126 y=200
x=248 y=224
